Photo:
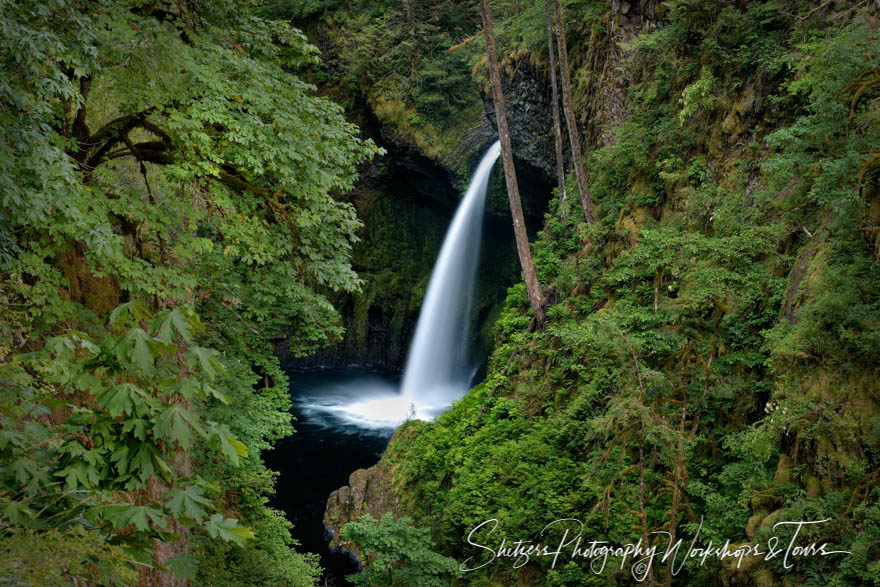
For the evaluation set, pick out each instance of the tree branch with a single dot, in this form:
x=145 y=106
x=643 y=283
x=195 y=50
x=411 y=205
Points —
x=109 y=134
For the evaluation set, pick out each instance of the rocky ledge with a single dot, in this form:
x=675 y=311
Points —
x=368 y=492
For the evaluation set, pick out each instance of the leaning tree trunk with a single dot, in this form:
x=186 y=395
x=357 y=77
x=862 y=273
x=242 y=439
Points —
x=573 y=134
x=557 y=127
x=533 y=288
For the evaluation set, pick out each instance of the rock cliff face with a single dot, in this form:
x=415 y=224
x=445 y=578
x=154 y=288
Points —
x=528 y=105
x=369 y=491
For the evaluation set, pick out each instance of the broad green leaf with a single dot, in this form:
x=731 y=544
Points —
x=120 y=458
x=130 y=312
x=188 y=501
x=136 y=427
x=222 y=439
x=160 y=326
x=144 y=460
x=183 y=324
x=208 y=391
x=207 y=360
x=61 y=346
x=227 y=529
x=87 y=382
x=167 y=323
x=122 y=515
x=124 y=398
x=16 y=512
x=137 y=348
x=174 y=424
x=182 y=566
x=24 y=469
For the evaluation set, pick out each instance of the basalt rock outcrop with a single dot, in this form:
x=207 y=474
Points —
x=368 y=492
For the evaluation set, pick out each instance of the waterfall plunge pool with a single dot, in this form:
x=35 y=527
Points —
x=344 y=418
x=330 y=443
x=367 y=402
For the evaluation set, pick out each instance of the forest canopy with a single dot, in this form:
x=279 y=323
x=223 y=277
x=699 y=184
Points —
x=173 y=180
x=167 y=183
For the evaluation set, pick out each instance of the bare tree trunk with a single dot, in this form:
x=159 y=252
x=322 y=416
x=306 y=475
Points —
x=557 y=127
x=410 y=18
x=153 y=577
x=573 y=134
x=533 y=288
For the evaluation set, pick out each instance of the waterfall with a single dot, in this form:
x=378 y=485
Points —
x=437 y=368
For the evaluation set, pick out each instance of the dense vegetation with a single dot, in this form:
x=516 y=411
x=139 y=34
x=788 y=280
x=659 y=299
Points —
x=401 y=59
x=170 y=207
x=398 y=553
x=167 y=185
x=713 y=352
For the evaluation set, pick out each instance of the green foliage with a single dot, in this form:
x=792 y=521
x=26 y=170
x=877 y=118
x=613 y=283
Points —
x=167 y=208
x=58 y=557
x=159 y=164
x=298 y=10
x=130 y=403
x=697 y=96
x=407 y=61
x=397 y=553
x=712 y=349
x=817 y=167
x=269 y=559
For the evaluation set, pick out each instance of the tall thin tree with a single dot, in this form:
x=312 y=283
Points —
x=573 y=134
x=557 y=126
x=533 y=288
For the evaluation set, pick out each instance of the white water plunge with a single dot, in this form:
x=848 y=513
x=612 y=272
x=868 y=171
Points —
x=438 y=368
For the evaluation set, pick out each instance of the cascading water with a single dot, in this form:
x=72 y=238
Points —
x=438 y=366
